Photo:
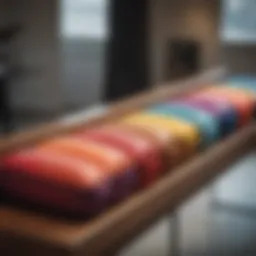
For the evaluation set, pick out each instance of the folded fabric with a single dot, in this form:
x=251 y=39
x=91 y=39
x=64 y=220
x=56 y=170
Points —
x=187 y=134
x=206 y=124
x=243 y=104
x=116 y=165
x=56 y=182
x=143 y=152
x=170 y=146
x=223 y=113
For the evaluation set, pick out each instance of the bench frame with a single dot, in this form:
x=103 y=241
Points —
x=26 y=232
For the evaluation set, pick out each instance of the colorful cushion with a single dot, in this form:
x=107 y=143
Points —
x=208 y=126
x=186 y=133
x=84 y=173
x=143 y=152
x=56 y=182
x=243 y=104
x=223 y=113
x=171 y=148
x=115 y=163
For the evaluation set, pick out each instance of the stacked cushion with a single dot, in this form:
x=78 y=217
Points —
x=141 y=150
x=187 y=134
x=220 y=109
x=223 y=113
x=167 y=142
x=206 y=123
x=242 y=102
x=115 y=165
x=86 y=172
x=246 y=84
x=56 y=182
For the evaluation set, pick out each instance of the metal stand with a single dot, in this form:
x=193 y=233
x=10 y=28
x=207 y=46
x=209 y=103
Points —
x=211 y=206
x=175 y=246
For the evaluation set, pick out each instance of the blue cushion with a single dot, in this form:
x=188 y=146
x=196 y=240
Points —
x=225 y=115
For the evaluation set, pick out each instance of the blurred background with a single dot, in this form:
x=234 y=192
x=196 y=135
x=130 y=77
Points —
x=58 y=57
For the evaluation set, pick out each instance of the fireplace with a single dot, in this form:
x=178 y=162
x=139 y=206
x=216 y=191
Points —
x=183 y=58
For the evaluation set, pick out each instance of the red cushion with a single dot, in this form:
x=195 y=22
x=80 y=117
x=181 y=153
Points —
x=143 y=151
x=56 y=182
x=171 y=148
x=113 y=162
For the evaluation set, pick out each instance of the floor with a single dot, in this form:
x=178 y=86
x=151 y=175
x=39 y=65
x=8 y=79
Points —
x=219 y=220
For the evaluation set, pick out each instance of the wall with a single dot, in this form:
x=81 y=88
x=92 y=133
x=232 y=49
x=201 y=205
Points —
x=4 y=13
x=36 y=87
x=57 y=74
x=192 y=19
x=159 y=34
x=239 y=53
x=239 y=58
x=199 y=20
x=43 y=86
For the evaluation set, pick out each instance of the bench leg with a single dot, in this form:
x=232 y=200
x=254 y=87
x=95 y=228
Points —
x=174 y=246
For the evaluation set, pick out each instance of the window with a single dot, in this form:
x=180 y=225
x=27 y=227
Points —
x=84 y=18
x=239 y=21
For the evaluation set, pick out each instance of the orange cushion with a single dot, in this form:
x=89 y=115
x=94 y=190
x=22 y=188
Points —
x=142 y=150
x=56 y=182
x=114 y=163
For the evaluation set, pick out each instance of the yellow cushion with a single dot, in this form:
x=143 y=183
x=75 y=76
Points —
x=184 y=130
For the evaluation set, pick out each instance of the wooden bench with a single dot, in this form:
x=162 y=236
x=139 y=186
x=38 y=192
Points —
x=32 y=233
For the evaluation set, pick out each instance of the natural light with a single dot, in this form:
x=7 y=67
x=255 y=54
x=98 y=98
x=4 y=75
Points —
x=84 y=18
x=239 y=21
